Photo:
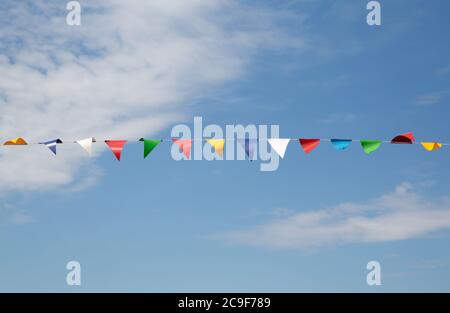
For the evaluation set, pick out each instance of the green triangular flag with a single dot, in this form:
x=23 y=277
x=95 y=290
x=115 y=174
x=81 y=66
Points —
x=370 y=146
x=149 y=145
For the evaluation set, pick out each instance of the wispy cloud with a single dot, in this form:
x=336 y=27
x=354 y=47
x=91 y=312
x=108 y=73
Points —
x=11 y=214
x=431 y=98
x=444 y=70
x=344 y=117
x=122 y=74
x=430 y=264
x=399 y=215
x=21 y=218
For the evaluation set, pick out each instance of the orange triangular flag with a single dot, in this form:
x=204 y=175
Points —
x=16 y=142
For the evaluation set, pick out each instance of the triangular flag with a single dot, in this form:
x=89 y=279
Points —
x=86 y=144
x=184 y=145
x=431 y=146
x=341 y=144
x=407 y=138
x=149 y=145
x=370 y=146
x=249 y=146
x=16 y=142
x=279 y=145
x=218 y=145
x=309 y=145
x=116 y=147
x=52 y=144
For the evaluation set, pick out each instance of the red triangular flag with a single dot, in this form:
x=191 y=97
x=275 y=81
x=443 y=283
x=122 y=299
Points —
x=116 y=147
x=185 y=146
x=407 y=138
x=309 y=145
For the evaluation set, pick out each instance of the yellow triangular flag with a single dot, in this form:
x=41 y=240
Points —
x=430 y=146
x=218 y=145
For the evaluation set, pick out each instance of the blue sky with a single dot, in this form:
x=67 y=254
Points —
x=313 y=67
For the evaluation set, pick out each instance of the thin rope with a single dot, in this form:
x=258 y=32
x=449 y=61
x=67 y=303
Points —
x=228 y=139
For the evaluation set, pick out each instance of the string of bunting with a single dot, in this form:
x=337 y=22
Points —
x=278 y=144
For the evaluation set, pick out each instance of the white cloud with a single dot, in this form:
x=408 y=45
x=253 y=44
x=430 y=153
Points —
x=402 y=214
x=121 y=74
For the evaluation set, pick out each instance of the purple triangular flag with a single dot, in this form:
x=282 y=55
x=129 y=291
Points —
x=249 y=146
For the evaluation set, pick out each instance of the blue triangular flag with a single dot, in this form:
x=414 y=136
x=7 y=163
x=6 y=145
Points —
x=51 y=144
x=341 y=144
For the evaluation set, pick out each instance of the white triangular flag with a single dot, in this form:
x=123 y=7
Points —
x=87 y=144
x=279 y=145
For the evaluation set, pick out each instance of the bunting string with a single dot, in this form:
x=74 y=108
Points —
x=279 y=145
x=207 y=139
